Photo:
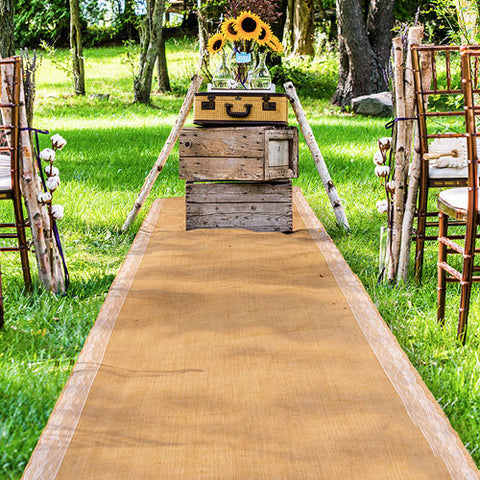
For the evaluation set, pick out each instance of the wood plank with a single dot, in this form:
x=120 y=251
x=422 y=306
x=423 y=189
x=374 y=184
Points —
x=221 y=168
x=255 y=221
x=239 y=192
x=241 y=142
x=239 y=208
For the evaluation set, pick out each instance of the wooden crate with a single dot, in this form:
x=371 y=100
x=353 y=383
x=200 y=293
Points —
x=238 y=153
x=263 y=207
x=240 y=108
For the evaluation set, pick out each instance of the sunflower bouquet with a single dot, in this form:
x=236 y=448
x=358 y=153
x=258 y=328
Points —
x=250 y=39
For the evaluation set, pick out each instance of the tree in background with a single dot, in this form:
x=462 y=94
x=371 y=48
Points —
x=6 y=28
x=78 y=66
x=162 y=69
x=150 y=43
x=300 y=27
x=364 y=43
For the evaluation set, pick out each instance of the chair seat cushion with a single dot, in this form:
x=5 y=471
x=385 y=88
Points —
x=5 y=173
x=447 y=173
x=455 y=198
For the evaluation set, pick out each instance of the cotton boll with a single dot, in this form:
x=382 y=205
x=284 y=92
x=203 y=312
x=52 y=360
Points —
x=57 y=211
x=51 y=171
x=390 y=186
x=58 y=142
x=46 y=197
x=40 y=197
x=47 y=154
x=382 y=206
x=378 y=158
x=52 y=183
x=385 y=143
x=382 y=170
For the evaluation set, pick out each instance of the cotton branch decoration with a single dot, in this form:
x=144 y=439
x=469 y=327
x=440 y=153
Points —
x=383 y=171
x=52 y=182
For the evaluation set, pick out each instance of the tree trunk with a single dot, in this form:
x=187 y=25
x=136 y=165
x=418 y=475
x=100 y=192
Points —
x=6 y=28
x=467 y=14
x=162 y=69
x=150 y=42
x=364 y=47
x=303 y=28
x=76 y=48
x=202 y=35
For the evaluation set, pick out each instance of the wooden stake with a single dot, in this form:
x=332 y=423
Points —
x=411 y=202
x=164 y=154
x=51 y=278
x=317 y=155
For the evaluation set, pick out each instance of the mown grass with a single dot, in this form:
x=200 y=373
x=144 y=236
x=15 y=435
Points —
x=111 y=147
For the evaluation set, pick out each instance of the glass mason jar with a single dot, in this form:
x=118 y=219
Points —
x=223 y=76
x=261 y=78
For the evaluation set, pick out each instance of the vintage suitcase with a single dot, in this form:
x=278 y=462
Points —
x=262 y=207
x=238 y=153
x=240 y=108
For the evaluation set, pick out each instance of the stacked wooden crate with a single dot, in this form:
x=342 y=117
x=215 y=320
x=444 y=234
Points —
x=239 y=176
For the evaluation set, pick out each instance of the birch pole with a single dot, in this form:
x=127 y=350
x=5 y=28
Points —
x=317 y=155
x=411 y=202
x=51 y=278
x=405 y=109
x=164 y=154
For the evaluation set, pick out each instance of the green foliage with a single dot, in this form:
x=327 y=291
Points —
x=315 y=77
x=37 y=20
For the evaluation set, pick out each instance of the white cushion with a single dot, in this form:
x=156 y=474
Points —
x=5 y=173
x=441 y=173
x=455 y=197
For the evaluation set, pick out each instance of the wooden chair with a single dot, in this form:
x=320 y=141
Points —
x=10 y=169
x=461 y=204
x=446 y=85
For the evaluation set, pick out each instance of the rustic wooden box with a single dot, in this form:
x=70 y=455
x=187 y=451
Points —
x=238 y=153
x=240 y=108
x=263 y=207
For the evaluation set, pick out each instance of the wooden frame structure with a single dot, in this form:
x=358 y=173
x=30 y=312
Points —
x=447 y=86
x=461 y=204
x=12 y=134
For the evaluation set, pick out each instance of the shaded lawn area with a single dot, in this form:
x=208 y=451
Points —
x=112 y=145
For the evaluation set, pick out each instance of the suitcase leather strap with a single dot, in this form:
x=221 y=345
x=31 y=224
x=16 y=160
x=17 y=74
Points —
x=230 y=113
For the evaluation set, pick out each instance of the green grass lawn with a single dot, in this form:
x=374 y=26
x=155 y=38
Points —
x=112 y=145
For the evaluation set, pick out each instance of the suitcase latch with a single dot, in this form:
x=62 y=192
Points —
x=210 y=105
x=268 y=106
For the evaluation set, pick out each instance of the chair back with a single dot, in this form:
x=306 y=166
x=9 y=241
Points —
x=10 y=127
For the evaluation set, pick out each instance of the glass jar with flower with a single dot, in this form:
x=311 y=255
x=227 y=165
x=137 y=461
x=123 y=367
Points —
x=249 y=38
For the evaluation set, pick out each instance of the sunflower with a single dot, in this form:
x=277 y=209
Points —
x=265 y=34
x=275 y=44
x=248 y=26
x=229 y=29
x=216 y=43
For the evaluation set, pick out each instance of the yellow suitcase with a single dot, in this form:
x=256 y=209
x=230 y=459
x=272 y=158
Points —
x=238 y=108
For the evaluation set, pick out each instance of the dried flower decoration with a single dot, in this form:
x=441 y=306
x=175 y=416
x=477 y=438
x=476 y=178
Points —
x=58 y=142
x=382 y=170
x=52 y=183
x=51 y=171
x=385 y=143
x=47 y=154
x=379 y=158
x=382 y=206
x=57 y=211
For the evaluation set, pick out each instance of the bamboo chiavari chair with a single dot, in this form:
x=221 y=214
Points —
x=445 y=86
x=462 y=204
x=10 y=169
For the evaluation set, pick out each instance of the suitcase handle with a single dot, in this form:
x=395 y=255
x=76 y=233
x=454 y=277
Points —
x=246 y=113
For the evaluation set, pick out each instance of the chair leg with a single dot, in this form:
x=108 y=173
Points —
x=22 y=241
x=421 y=228
x=442 y=257
x=466 y=288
